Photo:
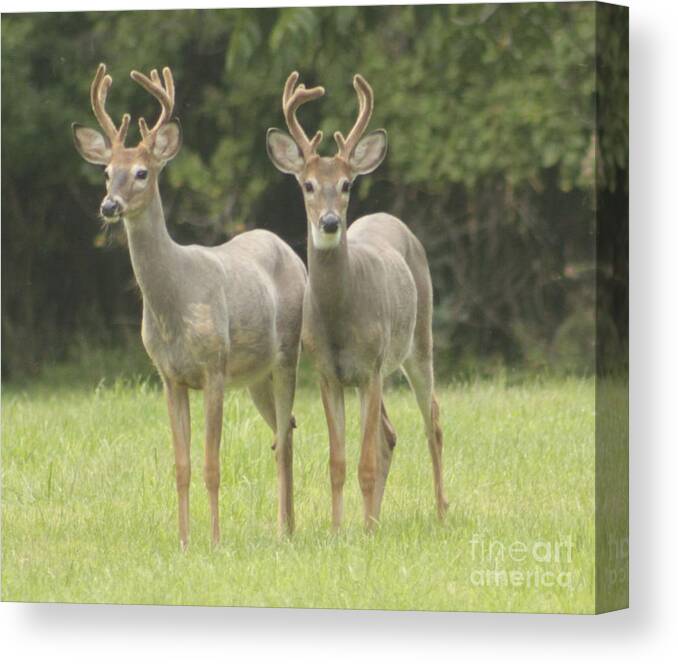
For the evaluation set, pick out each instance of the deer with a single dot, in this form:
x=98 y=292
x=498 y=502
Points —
x=213 y=318
x=368 y=301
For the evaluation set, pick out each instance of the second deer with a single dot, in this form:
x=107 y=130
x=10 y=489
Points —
x=368 y=303
x=213 y=317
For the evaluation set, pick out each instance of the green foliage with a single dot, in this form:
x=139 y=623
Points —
x=612 y=60
x=491 y=115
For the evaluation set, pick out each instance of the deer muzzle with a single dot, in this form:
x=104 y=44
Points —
x=329 y=223
x=110 y=208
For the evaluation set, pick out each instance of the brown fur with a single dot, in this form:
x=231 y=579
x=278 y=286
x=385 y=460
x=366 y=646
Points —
x=213 y=317
x=368 y=303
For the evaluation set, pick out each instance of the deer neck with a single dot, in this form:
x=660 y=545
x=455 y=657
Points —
x=329 y=276
x=154 y=255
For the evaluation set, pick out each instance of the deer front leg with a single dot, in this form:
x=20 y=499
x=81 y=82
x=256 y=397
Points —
x=214 y=406
x=332 y=394
x=180 y=423
x=370 y=453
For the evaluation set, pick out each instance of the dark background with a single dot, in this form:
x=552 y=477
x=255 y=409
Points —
x=506 y=158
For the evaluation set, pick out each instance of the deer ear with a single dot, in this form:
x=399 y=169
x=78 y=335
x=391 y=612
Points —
x=167 y=141
x=369 y=152
x=93 y=146
x=284 y=152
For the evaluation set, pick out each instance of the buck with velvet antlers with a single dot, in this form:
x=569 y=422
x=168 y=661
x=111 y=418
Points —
x=368 y=302
x=213 y=317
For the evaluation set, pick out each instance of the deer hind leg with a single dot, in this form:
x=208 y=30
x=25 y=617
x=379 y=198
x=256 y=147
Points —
x=214 y=408
x=332 y=394
x=369 y=466
x=284 y=384
x=262 y=397
x=387 y=440
x=420 y=376
x=180 y=423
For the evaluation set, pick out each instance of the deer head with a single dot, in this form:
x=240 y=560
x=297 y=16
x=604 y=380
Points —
x=326 y=181
x=131 y=173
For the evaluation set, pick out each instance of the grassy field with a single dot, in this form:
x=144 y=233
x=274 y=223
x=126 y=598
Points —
x=89 y=506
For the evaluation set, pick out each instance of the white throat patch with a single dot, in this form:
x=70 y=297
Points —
x=324 y=241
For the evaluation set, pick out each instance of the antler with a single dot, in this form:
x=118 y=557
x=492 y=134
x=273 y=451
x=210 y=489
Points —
x=165 y=95
x=98 y=94
x=291 y=101
x=365 y=107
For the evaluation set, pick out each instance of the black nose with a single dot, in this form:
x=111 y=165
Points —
x=110 y=208
x=329 y=223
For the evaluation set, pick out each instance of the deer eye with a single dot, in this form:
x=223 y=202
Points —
x=141 y=174
x=308 y=186
x=346 y=186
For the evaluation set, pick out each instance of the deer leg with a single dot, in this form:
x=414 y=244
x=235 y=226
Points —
x=387 y=440
x=180 y=423
x=262 y=397
x=370 y=457
x=420 y=376
x=332 y=394
x=214 y=407
x=284 y=384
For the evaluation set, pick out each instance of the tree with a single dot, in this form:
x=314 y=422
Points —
x=494 y=148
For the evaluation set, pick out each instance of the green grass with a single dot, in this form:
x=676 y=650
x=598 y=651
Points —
x=89 y=506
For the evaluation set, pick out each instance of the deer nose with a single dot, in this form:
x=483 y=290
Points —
x=110 y=207
x=329 y=223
